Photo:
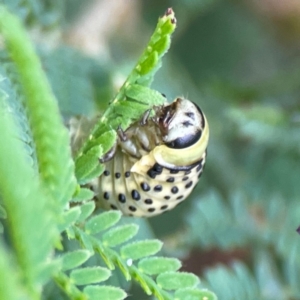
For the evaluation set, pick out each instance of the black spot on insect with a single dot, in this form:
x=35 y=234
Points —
x=113 y=207
x=127 y=174
x=187 y=124
x=158 y=188
x=155 y=170
x=132 y=208
x=185 y=178
x=151 y=209
x=188 y=185
x=190 y=115
x=135 y=195
x=106 y=195
x=148 y=201
x=179 y=197
x=167 y=197
x=187 y=172
x=164 y=207
x=117 y=175
x=106 y=173
x=171 y=179
x=122 y=198
x=174 y=190
x=172 y=171
x=199 y=166
x=151 y=173
x=145 y=187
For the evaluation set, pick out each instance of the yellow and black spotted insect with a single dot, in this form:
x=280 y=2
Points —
x=157 y=161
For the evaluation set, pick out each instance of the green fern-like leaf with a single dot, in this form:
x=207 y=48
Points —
x=132 y=100
x=51 y=139
x=27 y=215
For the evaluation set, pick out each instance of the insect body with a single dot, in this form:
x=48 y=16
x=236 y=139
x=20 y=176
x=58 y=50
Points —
x=157 y=161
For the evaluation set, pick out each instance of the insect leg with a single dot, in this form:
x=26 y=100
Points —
x=110 y=154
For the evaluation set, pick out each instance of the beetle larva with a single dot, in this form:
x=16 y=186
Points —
x=157 y=161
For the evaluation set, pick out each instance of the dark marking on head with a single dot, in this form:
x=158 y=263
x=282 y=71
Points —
x=151 y=209
x=185 y=178
x=180 y=197
x=185 y=141
x=167 y=197
x=190 y=115
x=187 y=124
x=106 y=195
x=164 y=207
x=201 y=114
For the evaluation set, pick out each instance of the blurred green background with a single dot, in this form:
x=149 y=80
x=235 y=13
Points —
x=240 y=61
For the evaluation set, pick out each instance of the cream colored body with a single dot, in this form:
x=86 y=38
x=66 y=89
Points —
x=146 y=177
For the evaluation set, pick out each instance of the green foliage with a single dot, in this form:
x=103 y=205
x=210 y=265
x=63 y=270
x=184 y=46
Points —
x=51 y=142
x=35 y=12
x=54 y=240
x=132 y=100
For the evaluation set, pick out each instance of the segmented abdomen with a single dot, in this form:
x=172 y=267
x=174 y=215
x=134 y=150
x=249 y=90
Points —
x=145 y=192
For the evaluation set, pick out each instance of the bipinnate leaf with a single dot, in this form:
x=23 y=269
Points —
x=86 y=210
x=119 y=235
x=156 y=265
x=73 y=259
x=102 y=221
x=82 y=195
x=144 y=94
x=30 y=219
x=106 y=140
x=87 y=163
x=56 y=168
x=104 y=292
x=89 y=275
x=129 y=105
x=69 y=217
x=140 y=249
x=176 y=280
